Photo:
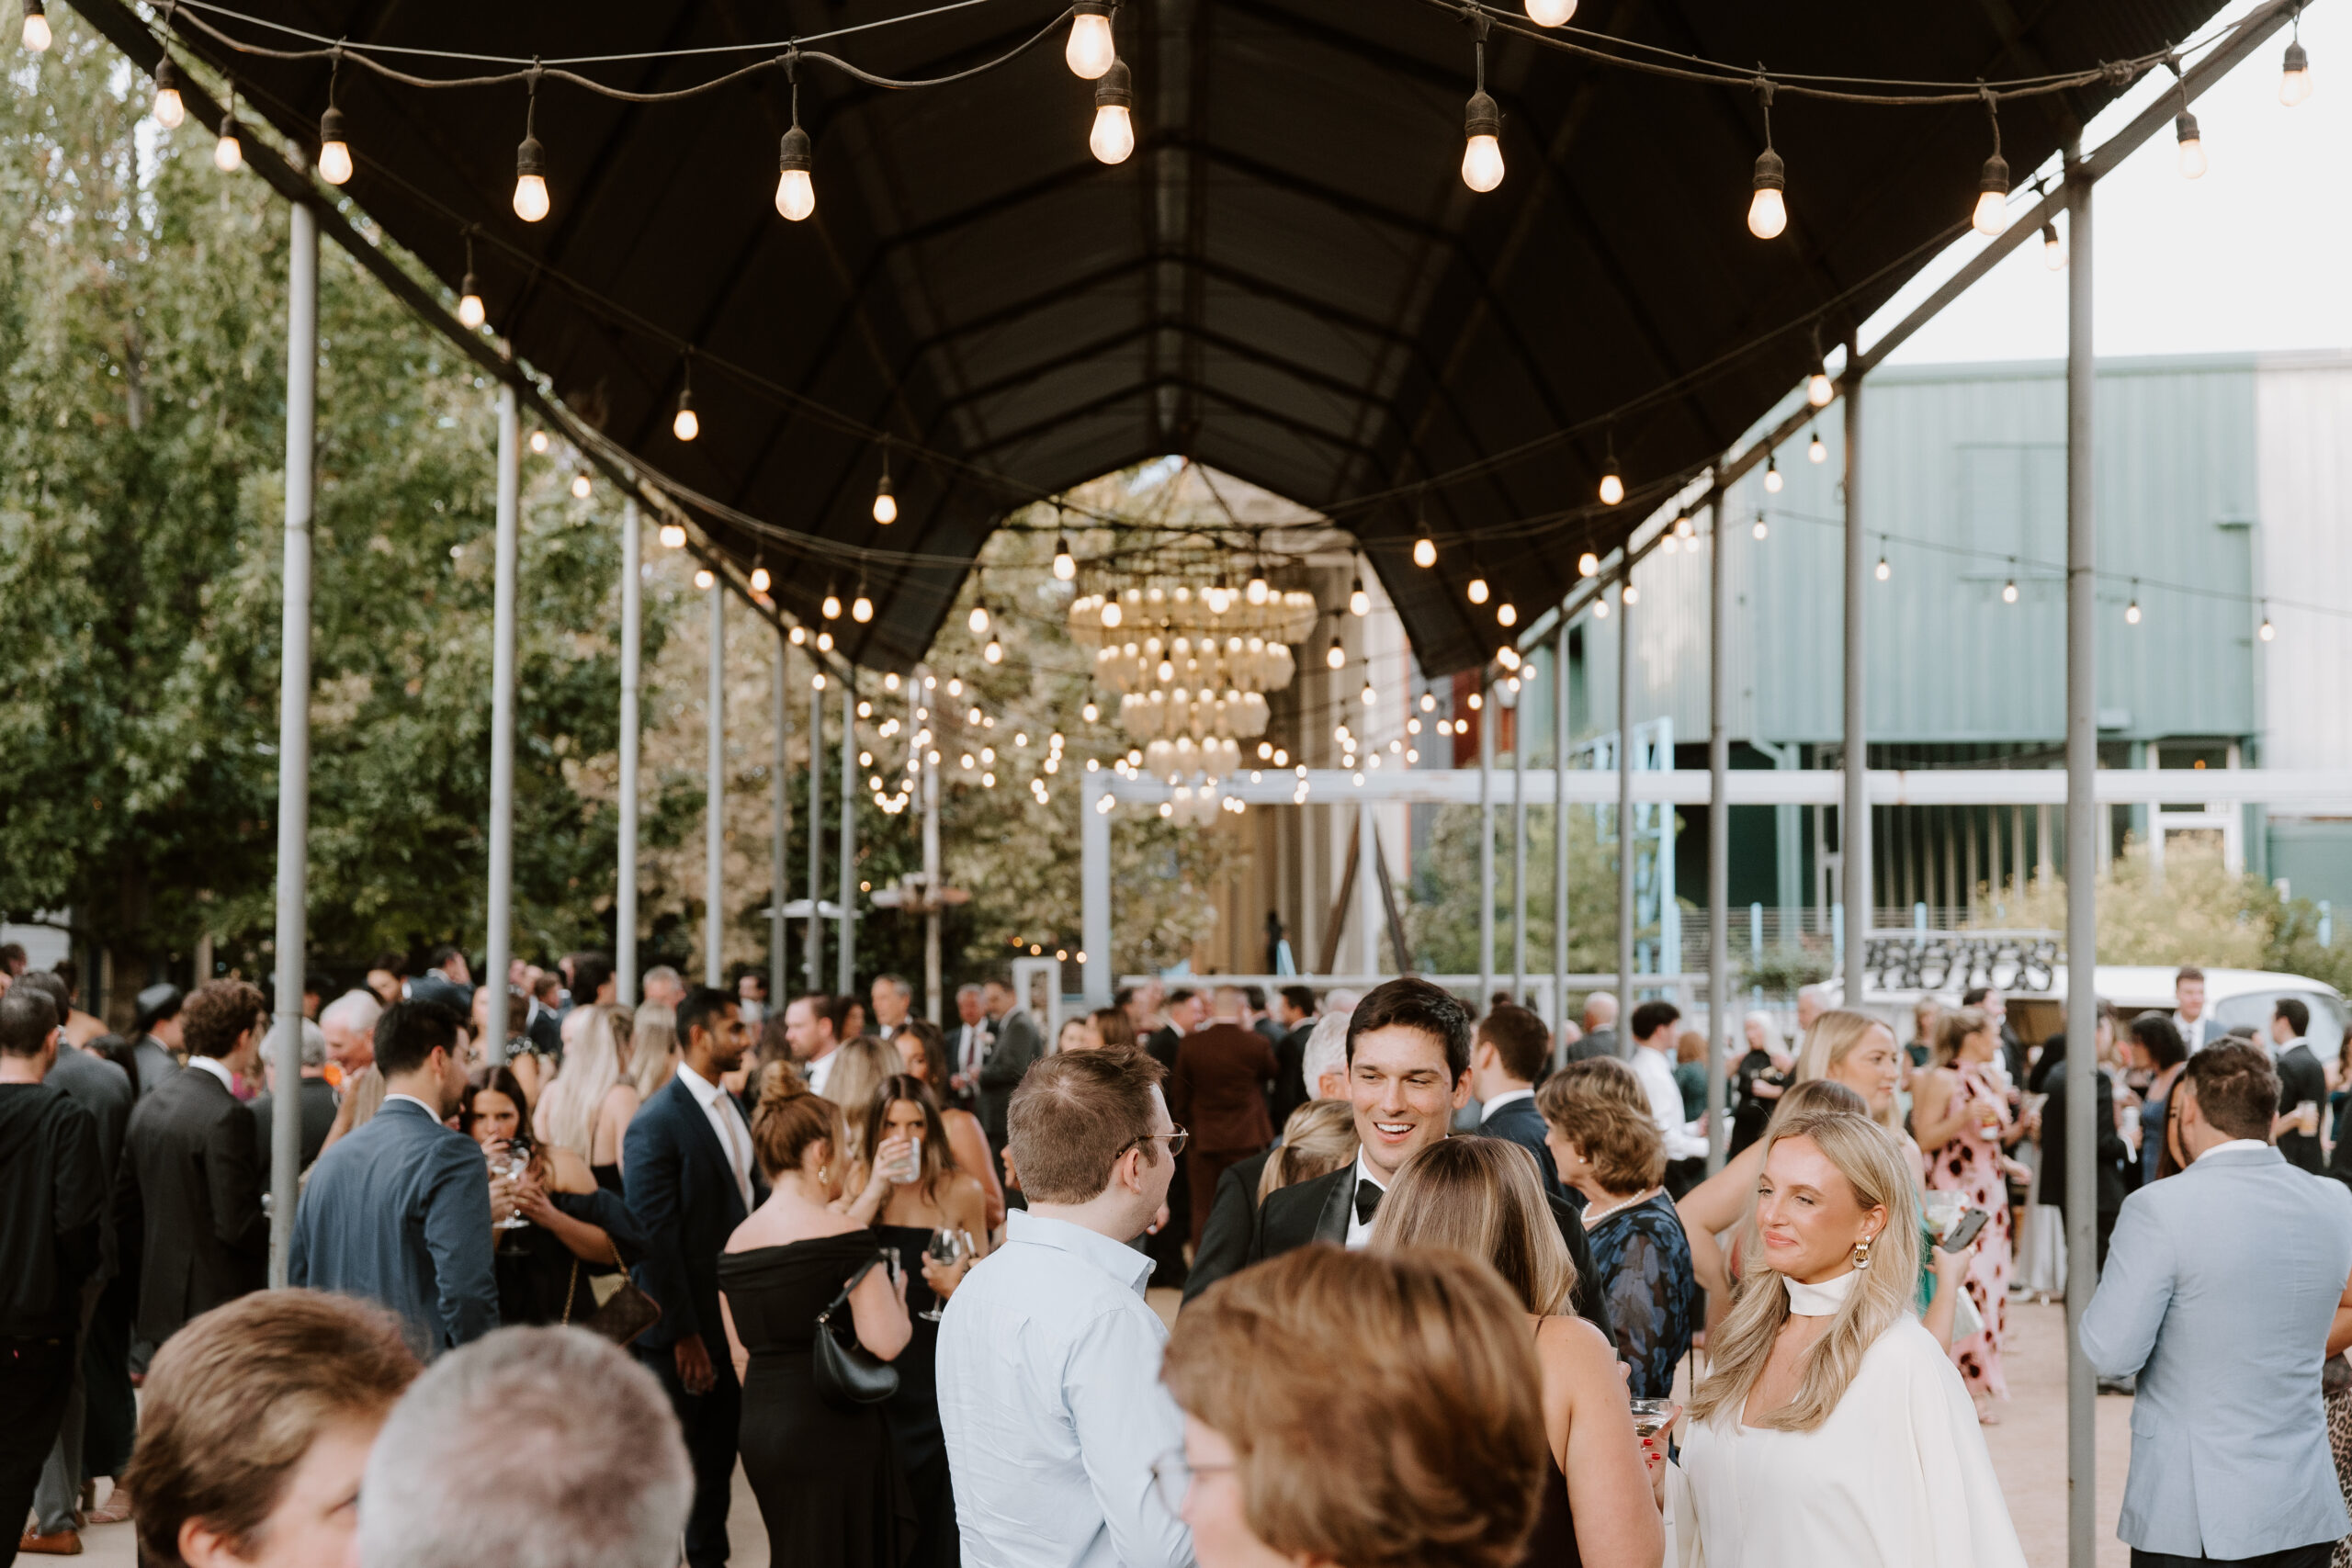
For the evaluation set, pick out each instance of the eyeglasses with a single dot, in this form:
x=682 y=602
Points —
x=1176 y=1140
x=1172 y=1477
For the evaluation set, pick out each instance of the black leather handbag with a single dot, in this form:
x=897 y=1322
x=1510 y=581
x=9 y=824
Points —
x=849 y=1375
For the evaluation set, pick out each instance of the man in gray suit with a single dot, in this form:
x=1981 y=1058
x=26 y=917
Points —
x=2222 y=1287
x=401 y=1211
x=1600 y=1030
x=1016 y=1046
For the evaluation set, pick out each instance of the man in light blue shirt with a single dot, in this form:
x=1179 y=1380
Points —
x=1050 y=1387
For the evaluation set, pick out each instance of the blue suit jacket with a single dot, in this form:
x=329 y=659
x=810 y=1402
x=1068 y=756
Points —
x=679 y=1187
x=1522 y=1123
x=2220 y=1285
x=399 y=1212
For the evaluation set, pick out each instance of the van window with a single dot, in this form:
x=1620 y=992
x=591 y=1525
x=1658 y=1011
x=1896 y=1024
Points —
x=2254 y=1009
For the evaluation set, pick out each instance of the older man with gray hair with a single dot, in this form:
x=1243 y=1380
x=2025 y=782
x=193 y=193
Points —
x=1233 y=1212
x=531 y=1448
x=348 y=1028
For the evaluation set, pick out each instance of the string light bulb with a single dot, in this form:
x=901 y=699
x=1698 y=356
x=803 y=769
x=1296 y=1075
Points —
x=1257 y=591
x=1358 y=601
x=1815 y=451
x=1551 y=13
x=860 y=609
x=674 y=536
x=1425 y=551
x=1065 y=564
x=1112 y=614
x=581 y=485
x=1992 y=213
x=831 y=607
x=703 y=580
x=1762 y=529
x=2009 y=591
x=539 y=442
x=334 y=148
x=2294 y=80
x=1507 y=614
x=1477 y=588
x=1337 y=658
x=1482 y=148
x=1613 y=483
x=1767 y=208
x=228 y=148
x=1090 y=49
x=531 y=202
x=759 y=580
x=1113 y=136
x=1587 y=565
x=37 y=36
x=977 y=621
x=2267 y=632
x=2192 y=146
x=1772 y=480
x=686 y=424
x=1090 y=713
x=2053 y=249
x=886 y=502
x=471 y=311
x=2131 y=609
x=1819 y=388
x=796 y=189
x=1684 y=529
x=1885 y=570
x=170 y=109
x=1370 y=696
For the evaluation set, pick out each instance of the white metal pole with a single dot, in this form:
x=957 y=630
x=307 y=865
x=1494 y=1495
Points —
x=1718 y=836
x=933 y=973
x=816 y=954
x=1626 y=848
x=845 y=960
x=780 y=781
x=1369 y=908
x=632 y=678
x=2082 y=827
x=1519 y=847
x=294 y=725
x=501 y=902
x=1854 y=816
x=1094 y=893
x=714 y=811
x=1559 y=834
x=1485 y=846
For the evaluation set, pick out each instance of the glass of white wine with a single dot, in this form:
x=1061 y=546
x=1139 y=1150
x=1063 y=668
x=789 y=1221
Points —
x=946 y=1248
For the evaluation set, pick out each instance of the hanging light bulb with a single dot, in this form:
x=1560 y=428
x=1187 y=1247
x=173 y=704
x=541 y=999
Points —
x=1337 y=658
x=2053 y=250
x=169 y=109
x=1482 y=148
x=334 y=148
x=531 y=202
x=2294 y=82
x=580 y=486
x=832 y=605
x=703 y=578
x=472 y=312
x=1814 y=451
x=2009 y=591
x=686 y=426
x=1425 y=551
x=860 y=609
x=1587 y=565
x=759 y=580
x=1478 y=589
x=539 y=442
x=36 y=36
x=1761 y=529
x=1065 y=564
x=1600 y=609
x=1113 y=136
x=1092 y=49
x=674 y=536
x=824 y=644
x=1507 y=614
x=1358 y=601
x=1257 y=591
x=1819 y=388
x=1090 y=713
x=1551 y=13
x=977 y=621
x=1630 y=595
x=1768 y=210
x=2192 y=146
x=1772 y=480
x=2267 y=633
x=1112 y=614
x=2131 y=610
x=1992 y=213
x=1612 y=484
x=229 y=149
x=1370 y=696
x=1684 y=528
x=1885 y=570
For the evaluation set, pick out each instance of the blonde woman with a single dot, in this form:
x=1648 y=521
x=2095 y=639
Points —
x=1479 y=1197
x=653 y=1049
x=1319 y=1137
x=860 y=1068
x=588 y=1108
x=1833 y=1428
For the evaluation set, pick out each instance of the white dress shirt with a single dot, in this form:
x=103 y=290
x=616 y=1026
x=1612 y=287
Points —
x=1360 y=1231
x=2196 y=1033
x=971 y=1048
x=820 y=1071
x=219 y=1069
x=1656 y=1074
x=726 y=1121
x=1051 y=1398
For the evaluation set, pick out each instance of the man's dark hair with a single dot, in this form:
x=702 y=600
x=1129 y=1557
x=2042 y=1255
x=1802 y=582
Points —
x=70 y=972
x=442 y=955
x=217 y=1014
x=409 y=1033
x=1256 y=996
x=1182 y=994
x=2160 y=1038
x=1301 y=997
x=2188 y=972
x=11 y=955
x=1651 y=1017
x=27 y=1015
x=589 y=973
x=548 y=984
x=701 y=1009
x=2236 y=1089
x=1122 y=997
x=1975 y=995
x=1411 y=1003
x=315 y=984
x=392 y=963
x=837 y=1008
x=52 y=985
x=2298 y=1014
x=1519 y=1038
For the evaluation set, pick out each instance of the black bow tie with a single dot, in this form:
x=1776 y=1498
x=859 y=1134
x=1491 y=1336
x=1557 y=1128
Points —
x=1367 y=1200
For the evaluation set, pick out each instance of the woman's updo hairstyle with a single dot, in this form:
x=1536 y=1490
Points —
x=788 y=1119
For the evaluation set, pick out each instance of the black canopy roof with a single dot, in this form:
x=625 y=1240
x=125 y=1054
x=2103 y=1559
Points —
x=1288 y=281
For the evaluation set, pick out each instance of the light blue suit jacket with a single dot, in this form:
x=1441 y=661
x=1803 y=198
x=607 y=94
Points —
x=2220 y=1285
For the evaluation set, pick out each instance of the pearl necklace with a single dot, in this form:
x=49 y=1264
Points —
x=1593 y=1217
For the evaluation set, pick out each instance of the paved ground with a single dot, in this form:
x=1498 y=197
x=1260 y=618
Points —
x=2028 y=1452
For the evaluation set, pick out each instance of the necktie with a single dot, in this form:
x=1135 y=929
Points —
x=734 y=1151
x=1367 y=1200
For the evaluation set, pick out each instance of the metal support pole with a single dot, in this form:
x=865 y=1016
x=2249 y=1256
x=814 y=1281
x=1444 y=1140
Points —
x=1518 y=850
x=1718 y=836
x=845 y=960
x=714 y=811
x=632 y=660
x=1485 y=845
x=1094 y=893
x=501 y=902
x=1854 y=816
x=933 y=973
x=1626 y=850
x=294 y=727
x=1559 y=835
x=2082 y=825
x=780 y=871
x=1370 y=912
x=816 y=957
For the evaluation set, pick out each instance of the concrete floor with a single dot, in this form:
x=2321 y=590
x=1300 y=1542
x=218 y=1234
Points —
x=2028 y=1452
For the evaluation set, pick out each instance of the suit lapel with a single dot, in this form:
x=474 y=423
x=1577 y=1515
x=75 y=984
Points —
x=706 y=1138
x=1339 y=1207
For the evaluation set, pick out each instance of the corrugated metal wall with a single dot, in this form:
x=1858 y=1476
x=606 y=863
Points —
x=2304 y=424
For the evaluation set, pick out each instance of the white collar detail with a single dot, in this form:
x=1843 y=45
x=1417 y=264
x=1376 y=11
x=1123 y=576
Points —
x=1822 y=1299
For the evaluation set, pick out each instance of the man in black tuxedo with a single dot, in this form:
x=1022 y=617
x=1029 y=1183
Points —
x=1511 y=1047
x=691 y=1179
x=1295 y=1013
x=187 y=1201
x=2301 y=1082
x=1409 y=1072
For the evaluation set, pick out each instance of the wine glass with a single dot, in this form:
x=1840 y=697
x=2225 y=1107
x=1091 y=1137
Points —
x=518 y=1166
x=946 y=1248
x=1944 y=1210
x=1652 y=1416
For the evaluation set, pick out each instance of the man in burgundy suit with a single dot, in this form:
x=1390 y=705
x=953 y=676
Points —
x=1219 y=1091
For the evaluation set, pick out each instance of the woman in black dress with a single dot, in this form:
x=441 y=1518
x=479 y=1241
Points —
x=579 y=1232
x=927 y=1194
x=829 y=1483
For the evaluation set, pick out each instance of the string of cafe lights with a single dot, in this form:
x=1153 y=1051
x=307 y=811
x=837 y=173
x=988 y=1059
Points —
x=1091 y=53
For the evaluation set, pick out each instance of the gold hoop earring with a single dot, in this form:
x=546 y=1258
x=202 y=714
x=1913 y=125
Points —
x=1862 y=1253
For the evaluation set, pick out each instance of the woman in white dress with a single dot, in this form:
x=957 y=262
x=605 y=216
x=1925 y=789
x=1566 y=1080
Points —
x=1833 y=1428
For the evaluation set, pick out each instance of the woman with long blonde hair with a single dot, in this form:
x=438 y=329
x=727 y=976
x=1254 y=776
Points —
x=653 y=1050
x=587 y=1109
x=1832 y=1427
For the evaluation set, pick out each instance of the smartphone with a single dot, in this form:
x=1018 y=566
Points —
x=1964 y=1231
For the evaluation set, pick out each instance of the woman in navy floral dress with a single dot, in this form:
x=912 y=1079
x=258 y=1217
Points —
x=1615 y=1155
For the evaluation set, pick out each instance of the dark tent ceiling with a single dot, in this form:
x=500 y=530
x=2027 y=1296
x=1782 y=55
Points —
x=1288 y=281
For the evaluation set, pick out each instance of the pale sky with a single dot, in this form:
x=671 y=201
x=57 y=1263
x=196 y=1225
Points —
x=2250 y=256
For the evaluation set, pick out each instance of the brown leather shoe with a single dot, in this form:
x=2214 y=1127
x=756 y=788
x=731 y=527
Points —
x=57 y=1543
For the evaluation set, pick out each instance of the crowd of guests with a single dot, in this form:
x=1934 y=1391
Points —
x=1456 y=1290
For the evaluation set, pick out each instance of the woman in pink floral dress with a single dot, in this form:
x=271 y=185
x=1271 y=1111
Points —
x=1961 y=1117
